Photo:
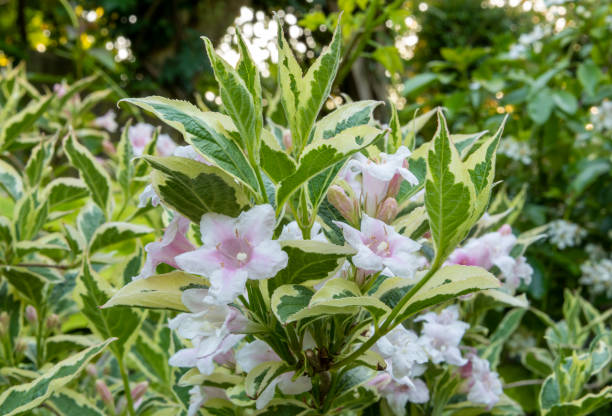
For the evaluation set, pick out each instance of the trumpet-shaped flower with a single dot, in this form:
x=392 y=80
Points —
x=378 y=246
x=212 y=328
x=292 y=231
x=381 y=178
x=234 y=250
x=442 y=334
x=199 y=395
x=171 y=245
x=399 y=394
x=404 y=354
x=483 y=384
x=258 y=352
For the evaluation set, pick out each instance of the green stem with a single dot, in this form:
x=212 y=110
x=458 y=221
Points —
x=40 y=335
x=263 y=195
x=126 y=387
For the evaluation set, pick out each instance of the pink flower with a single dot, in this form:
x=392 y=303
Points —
x=483 y=384
x=399 y=394
x=378 y=246
x=258 y=352
x=442 y=334
x=60 y=89
x=107 y=121
x=199 y=395
x=165 y=145
x=234 y=250
x=212 y=328
x=140 y=135
x=172 y=244
x=382 y=178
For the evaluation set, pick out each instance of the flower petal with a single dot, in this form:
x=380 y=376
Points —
x=266 y=260
x=257 y=224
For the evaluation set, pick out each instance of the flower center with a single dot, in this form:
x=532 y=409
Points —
x=383 y=246
x=241 y=256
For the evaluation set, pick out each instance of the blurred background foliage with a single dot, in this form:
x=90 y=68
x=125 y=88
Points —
x=546 y=62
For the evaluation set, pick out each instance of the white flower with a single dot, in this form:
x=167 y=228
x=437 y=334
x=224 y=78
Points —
x=378 y=246
x=399 y=394
x=107 y=121
x=515 y=270
x=258 y=352
x=292 y=231
x=601 y=116
x=212 y=329
x=404 y=354
x=519 y=151
x=483 y=384
x=148 y=193
x=199 y=395
x=234 y=250
x=565 y=234
x=188 y=152
x=441 y=335
x=597 y=275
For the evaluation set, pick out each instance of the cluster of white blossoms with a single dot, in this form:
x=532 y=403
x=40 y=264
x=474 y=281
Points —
x=526 y=40
x=515 y=150
x=597 y=271
x=601 y=117
x=493 y=249
x=565 y=234
x=406 y=355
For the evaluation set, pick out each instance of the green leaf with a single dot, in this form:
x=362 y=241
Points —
x=538 y=360
x=163 y=291
x=24 y=119
x=418 y=82
x=193 y=188
x=449 y=193
x=390 y=58
x=125 y=154
x=237 y=98
x=91 y=292
x=214 y=135
x=584 y=406
x=115 y=232
x=31 y=283
x=290 y=299
x=349 y=115
x=10 y=181
x=68 y=402
x=309 y=261
x=588 y=174
x=89 y=219
x=325 y=157
x=94 y=176
x=565 y=101
x=502 y=333
x=21 y=398
x=38 y=161
x=540 y=106
x=261 y=376
x=274 y=160
x=589 y=75
x=63 y=190
x=396 y=138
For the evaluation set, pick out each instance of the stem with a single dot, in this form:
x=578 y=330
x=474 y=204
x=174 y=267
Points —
x=52 y=266
x=126 y=387
x=523 y=383
x=40 y=342
x=262 y=188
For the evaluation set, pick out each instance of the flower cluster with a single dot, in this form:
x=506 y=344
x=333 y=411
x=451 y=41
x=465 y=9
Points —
x=483 y=384
x=601 y=116
x=565 y=234
x=515 y=150
x=493 y=249
x=597 y=276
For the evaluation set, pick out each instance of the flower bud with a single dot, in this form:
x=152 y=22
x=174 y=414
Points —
x=104 y=393
x=341 y=201
x=505 y=229
x=31 y=315
x=394 y=185
x=109 y=147
x=53 y=321
x=20 y=346
x=92 y=370
x=387 y=211
x=287 y=141
x=139 y=390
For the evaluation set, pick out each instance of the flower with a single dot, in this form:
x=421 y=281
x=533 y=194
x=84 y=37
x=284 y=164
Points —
x=519 y=151
x=165 y=145
x=399 y=394
x=107 y=121
x=514 y=271
x=441 y=335
x=565 y=234
x=378 y=246
x=60 y=89
x=188 y=152
x=404 y=354
x=141 y=134
x=292 y=231
x=148 y=193
x=198 y=395
x=171 y=245
x=597 y=275
x=483 y=384
x=258 y=352
x=234 y=250
x=381 y=178
x=212 y=328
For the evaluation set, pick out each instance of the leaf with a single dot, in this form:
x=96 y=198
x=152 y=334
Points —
x=10 y=181
x=211 y=134
x=502 y=333
x=303 y=97
x=193 y=188
x=565 y=101
x=89 y=219
x=261 y=376
x=589 y=75
x=274 y=160
x=24 y=119
x=18 y=399
x=584 y=406
x=588 y=174
x=540 y=106
x=418 y=82
x=115 y=232
x=38 y=161
x=447 y=283
x=63 y=190
x=323 y=157
x=125 y=154
x=349 y=115
x=31 y=283
x=237 y=98
x=90 y=293
x=396 y=138
x=449 y=193
x=68 y=402
x=309 y=261
x=288 y=300
x=538 y=360
x=94 y=176
x=390 y=58
x=163 y=291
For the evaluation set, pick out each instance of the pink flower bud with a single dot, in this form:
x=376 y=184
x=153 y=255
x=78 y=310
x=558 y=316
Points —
x=92 y=371
x=109 y=147
x=31 y=315
x=287 y=141
x=139 y=390
x=20 y=346
x=53 y=321
x=387 y=211
x=340 y=200
x=394 y=185
x=505 y=229
x=104 y=393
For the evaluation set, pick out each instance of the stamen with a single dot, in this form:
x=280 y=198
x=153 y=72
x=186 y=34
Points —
x=241 y=256
x=383 y=246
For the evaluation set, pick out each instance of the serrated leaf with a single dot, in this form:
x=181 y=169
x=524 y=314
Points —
x=68 y=402
x=349 y=115
x=193 y=188
x=21 y=398
x=290 y=299
x=94 y=176
x=11 y=181
x=91 y=292
x=277 y=164
x=24 y=119
x=449 y=193
x=125 y=153
x=115 y=232
x=213 y=135
x=63 y=190
x=163 y=291
x=323 y=159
